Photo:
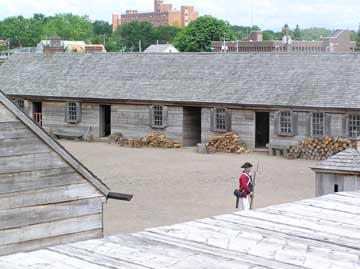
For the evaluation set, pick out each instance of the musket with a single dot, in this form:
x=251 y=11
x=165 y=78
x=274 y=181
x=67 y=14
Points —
x=253 y=195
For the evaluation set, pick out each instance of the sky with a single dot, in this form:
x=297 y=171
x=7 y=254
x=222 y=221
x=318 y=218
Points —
x=267 y=14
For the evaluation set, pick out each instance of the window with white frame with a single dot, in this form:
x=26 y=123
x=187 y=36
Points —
x=220 y=119
x=158 y=117
x=285 y=122
x=73 y=112
x=317 y=124
x=354 y=125
x=20 y=103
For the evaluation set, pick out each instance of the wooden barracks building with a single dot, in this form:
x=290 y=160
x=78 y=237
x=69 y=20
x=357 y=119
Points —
x=190 y=97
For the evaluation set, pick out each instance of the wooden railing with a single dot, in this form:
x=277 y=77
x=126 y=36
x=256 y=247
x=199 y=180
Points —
x=38 y=118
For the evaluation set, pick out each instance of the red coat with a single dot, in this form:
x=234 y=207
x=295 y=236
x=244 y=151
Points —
x=244 y=182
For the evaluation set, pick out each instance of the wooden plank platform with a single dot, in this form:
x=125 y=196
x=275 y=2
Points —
x=316 y=233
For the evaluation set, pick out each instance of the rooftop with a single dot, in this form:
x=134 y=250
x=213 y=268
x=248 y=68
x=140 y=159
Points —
x=316 y=233
x=264 y=79
x=346 y=161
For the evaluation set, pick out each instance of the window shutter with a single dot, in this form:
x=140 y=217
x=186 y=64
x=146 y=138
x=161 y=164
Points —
x=165 y=114
x=66 y=114
x=327 y=124
x=212 y=119
x=151 y=116
x=308 y=124
x=294 y=126
x=345 y=125
x=228 y=120
x=277 y=122
x=78 y=112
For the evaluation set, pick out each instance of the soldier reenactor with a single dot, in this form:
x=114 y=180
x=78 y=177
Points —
x=246 y=186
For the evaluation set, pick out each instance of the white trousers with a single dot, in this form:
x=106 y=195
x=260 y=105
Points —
x=245 y=203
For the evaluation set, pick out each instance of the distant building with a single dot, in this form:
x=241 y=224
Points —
x=161 y=48
x=163 y=14
x=55 y=44
x=338 y=41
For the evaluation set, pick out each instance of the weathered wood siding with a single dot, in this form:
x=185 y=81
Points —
x=43 y=200
x=304 y=128
x=133 y=121
x=54 y=118
x=242 y=123
x=325 y=182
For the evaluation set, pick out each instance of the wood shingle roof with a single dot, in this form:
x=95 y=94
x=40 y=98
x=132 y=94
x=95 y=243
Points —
x=346 y=161
x=268 y=79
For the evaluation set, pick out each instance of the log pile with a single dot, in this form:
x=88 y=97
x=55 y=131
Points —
x=159 y=141
x=318 y=148
x=229 y=143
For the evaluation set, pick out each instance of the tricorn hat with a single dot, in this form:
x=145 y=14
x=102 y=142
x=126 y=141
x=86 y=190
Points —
x=247 y=165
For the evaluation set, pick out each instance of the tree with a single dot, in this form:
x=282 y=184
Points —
x=242 y=32
x=297 y=33
x=102 y=27
x=197 y=36
x=127 y=36
x=69 y=27
x=165 y=34
x=358 y=40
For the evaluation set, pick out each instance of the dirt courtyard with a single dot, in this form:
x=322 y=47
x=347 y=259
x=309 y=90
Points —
x=172 y=186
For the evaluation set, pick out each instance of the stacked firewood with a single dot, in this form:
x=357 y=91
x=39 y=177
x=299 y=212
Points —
x=157 y=140
x=318 y=148
x=228 y=142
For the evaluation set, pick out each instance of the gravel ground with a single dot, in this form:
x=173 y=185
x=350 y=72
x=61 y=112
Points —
x=172 y=186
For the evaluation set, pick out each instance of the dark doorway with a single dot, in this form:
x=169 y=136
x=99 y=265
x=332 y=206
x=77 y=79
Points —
x=262 y=129
x=37 y=112
x=105 y=120
x=191 y=126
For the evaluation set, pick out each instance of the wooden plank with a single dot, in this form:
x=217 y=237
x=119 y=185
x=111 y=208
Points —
x=256 y=242
x=51 y=229
x=231 y=254
x=315 y=213
x=154 y=254
x=316 y=225
x=49 y=260
x=92 y=257
x=292 y=229
x=49 y=241
x=40 y=179
x=6 y=115
x=335 y=206
x=22 y=146
x=48 y=196
x=15 y=130
x=30 y=162
x=20 y=217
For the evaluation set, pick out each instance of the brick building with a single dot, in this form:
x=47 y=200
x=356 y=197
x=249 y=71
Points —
x=338 y=41
x=163 y=14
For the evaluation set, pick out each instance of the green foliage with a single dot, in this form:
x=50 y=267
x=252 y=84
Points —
x=69 y=27
x=271 y=35
x=102 y=28
x=315 y=33
x=242 y=32
x=165 y=34
x=297 y=33
x=358 y=40
x=197 y=36
x=127 y=36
